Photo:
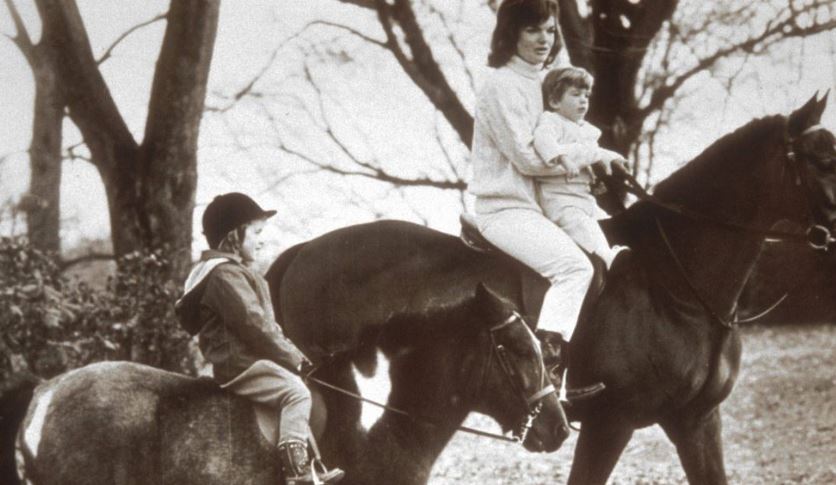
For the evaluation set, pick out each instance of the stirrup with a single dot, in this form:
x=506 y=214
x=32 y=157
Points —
x=324 y=475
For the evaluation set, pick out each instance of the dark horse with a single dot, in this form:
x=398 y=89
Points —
x=656 y=336
x=125 y=423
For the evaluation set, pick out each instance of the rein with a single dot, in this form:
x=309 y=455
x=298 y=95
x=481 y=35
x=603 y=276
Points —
x=533 y=400
x=406 y=414
x=816 y=236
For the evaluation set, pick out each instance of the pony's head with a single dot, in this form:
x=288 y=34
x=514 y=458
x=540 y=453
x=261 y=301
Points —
x=812 y=155
x=513 y=385
x=479 y=355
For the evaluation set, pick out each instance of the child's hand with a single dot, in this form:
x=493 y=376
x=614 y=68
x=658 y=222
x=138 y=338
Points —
x=572 y=169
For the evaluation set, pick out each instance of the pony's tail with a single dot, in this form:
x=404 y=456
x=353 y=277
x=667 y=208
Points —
x=15 y=395
x=275 y=275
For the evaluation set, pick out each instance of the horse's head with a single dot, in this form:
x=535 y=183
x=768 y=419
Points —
x=812 y=151
x=513 y=385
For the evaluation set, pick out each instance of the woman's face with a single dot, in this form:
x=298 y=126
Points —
x=253 y=240
x=536 y=41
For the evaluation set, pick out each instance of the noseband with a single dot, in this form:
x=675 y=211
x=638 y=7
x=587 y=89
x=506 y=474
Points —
x=532 y=403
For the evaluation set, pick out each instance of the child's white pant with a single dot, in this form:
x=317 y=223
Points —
x=582 y=227
x=539 y=243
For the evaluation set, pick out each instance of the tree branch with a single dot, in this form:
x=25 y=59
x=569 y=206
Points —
x=66 y=264
x=350 y=30
x=21 y=39
x=107 y=53
x=369 y=4
x=771 y=34
x=90 y=103
x=178 y=91
x=422 y=68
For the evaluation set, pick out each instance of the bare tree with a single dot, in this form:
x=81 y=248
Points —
x=150 y=186
x=42 y=202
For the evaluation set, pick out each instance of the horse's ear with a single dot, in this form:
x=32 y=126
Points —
x=823 y=102
x=485 y=294
x=806 y=116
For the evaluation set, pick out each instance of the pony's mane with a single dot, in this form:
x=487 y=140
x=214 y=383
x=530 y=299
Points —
x=736 y=152
x=419 y=329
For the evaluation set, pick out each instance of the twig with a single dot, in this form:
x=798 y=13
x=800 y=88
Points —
x=107 y=53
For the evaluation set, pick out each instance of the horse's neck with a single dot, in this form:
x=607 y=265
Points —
x=399 y=450
x=717 y=262
x=717 y=259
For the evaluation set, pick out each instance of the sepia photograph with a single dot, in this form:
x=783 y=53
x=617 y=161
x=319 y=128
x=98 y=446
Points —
x=417 y=242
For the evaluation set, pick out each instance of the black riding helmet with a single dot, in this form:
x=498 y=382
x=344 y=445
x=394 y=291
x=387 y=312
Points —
x=227 y=212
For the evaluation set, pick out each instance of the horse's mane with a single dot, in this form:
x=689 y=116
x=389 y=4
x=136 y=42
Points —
x=426 y=328
x=704 y=180
x=734 y=154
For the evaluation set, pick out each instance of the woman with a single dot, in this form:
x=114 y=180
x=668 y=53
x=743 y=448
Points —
x=228 y=306
x=505 y=163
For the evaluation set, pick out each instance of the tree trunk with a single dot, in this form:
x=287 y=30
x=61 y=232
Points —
x=150 y=187
x=43 y=202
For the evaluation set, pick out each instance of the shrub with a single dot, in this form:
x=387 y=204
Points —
x=49 y=324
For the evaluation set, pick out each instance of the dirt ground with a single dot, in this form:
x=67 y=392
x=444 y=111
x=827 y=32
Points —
x=779 y=426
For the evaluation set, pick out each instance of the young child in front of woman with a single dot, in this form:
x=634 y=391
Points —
x=567 y=200
x=228 y=306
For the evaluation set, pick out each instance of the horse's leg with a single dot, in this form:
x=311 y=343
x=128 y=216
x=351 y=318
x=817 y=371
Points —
x=600 y=444
x=342 y=438
x=699 y=444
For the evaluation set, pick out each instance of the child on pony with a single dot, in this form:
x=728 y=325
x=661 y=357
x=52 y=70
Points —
x=228 y=306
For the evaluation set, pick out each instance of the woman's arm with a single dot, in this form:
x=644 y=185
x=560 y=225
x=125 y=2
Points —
x=504 y=109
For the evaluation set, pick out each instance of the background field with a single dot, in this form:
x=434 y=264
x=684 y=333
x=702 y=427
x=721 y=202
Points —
x=779 y=426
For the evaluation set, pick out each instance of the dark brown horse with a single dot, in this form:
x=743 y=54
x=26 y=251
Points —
x=122 y=423
x=658 y=335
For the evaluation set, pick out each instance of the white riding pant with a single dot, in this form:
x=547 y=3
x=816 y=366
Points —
x=580 y=224
x=537 y=242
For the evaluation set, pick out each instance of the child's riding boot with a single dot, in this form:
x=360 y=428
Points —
x=299 y=469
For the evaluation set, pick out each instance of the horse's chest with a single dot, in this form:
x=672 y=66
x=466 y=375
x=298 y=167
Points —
x=724 y=369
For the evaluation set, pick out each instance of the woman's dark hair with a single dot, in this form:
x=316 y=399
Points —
x=511 y=18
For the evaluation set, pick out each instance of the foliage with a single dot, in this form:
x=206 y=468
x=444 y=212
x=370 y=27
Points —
x=49 y=324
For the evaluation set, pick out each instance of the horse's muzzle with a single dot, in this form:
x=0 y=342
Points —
x=550 y=430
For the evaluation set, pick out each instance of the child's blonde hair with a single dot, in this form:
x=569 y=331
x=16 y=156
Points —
x=559 y=80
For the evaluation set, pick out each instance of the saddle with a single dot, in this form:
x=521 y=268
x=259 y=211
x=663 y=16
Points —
x=471 y=236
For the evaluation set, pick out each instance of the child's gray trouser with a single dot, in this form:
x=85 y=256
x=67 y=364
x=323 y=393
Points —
x=270 y=384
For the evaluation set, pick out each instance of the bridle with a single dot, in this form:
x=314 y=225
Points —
x=816 y=236
x=532 y=403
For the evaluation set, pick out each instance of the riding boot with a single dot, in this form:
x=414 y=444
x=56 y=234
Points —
x=553 y=347
x=299 y=469
x=556 y=359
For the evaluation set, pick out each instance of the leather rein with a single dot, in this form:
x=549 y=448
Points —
x=533 y=403
x=817 y=237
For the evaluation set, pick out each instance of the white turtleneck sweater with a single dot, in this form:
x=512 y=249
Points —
x=502 y=155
